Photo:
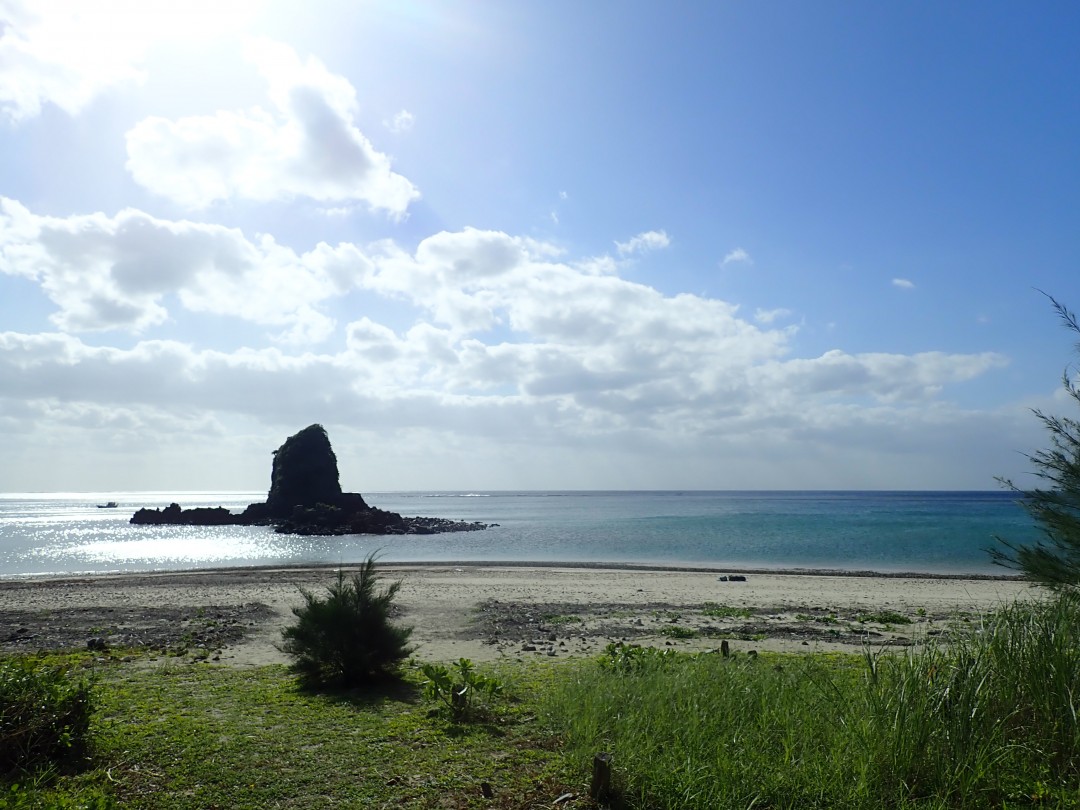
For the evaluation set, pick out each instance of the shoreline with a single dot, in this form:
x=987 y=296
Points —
x=539 y=564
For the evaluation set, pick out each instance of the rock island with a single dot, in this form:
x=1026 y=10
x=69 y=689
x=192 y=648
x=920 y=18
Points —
x=305 y=498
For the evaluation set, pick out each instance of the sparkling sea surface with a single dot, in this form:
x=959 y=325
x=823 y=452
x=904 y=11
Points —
x=930 y=532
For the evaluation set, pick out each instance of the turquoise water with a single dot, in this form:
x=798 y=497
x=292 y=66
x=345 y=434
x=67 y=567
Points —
x=932 y=532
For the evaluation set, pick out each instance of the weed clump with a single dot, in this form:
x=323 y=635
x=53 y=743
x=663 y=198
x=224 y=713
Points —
x=44 y=716
x=346 y=639
x=458 y=686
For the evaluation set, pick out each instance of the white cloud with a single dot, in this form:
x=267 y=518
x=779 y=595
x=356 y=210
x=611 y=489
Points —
x=426 y=394
x=117 y=272
x=609 y=350
x=427 y=378
x=767 y=316
x=68 y=52
x=649 y=240
x=738 y=255
x=903 y=284
x=308 y=145
x=885 y=377
x=511 y=344
x=402 y=121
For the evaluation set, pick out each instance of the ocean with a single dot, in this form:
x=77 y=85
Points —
x=43 y=534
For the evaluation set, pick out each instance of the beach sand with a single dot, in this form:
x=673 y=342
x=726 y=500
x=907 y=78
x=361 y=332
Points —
x=498 y=611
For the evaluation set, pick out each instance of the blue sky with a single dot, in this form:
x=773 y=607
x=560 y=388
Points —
x=535 y=245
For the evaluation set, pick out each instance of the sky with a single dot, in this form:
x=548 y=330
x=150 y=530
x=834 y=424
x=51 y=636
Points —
x=535 y=245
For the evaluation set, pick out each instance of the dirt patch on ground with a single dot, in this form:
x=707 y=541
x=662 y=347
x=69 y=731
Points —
x=173 y=630
x=557 y=628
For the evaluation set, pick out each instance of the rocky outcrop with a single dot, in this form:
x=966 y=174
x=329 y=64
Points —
x=173 y=515
x=306 y=498
x=305 y=473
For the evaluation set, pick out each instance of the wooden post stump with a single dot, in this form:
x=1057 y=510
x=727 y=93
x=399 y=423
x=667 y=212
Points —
x=600 y=790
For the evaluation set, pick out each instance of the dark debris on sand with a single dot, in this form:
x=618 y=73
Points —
x=169 y=629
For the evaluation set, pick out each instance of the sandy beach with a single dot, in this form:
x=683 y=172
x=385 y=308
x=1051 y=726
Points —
x=491 y=612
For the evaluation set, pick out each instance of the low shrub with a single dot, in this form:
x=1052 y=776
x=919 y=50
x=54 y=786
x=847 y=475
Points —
x=44 y=715
x=346 y=638
x=621 y=657
x=458 y=686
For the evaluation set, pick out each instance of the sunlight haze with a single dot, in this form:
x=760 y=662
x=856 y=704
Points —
x=535 y=245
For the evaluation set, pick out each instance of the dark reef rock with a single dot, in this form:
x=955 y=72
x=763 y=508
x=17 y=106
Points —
x=305 y=498
x=173 y=515
x=305 y=474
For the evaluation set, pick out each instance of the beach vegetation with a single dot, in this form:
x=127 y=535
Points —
x=461 y=688
x=346 y=638
x=45 y=711
x=1054 y=560
x=719 y=611
x=622 y=657
x=988 y=720
x=192 y=736
x=883 y=617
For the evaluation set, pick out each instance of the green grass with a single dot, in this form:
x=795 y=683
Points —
x=195 y=736
x=988 y=721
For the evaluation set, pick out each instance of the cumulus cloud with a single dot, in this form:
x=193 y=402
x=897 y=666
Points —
x=611 y=351
x=117 y=272
x=738 y=256
x=428 y=378
x=512 y=342
x=68 y=52
x=649 y=240
x=903 y=284
x=307 y=145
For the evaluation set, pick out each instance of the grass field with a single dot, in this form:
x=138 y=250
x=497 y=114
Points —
x=988 y=721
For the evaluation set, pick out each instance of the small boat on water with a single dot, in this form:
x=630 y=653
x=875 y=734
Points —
x=109 y=505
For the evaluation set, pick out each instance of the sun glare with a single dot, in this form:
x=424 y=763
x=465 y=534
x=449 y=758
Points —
x=118 y=32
